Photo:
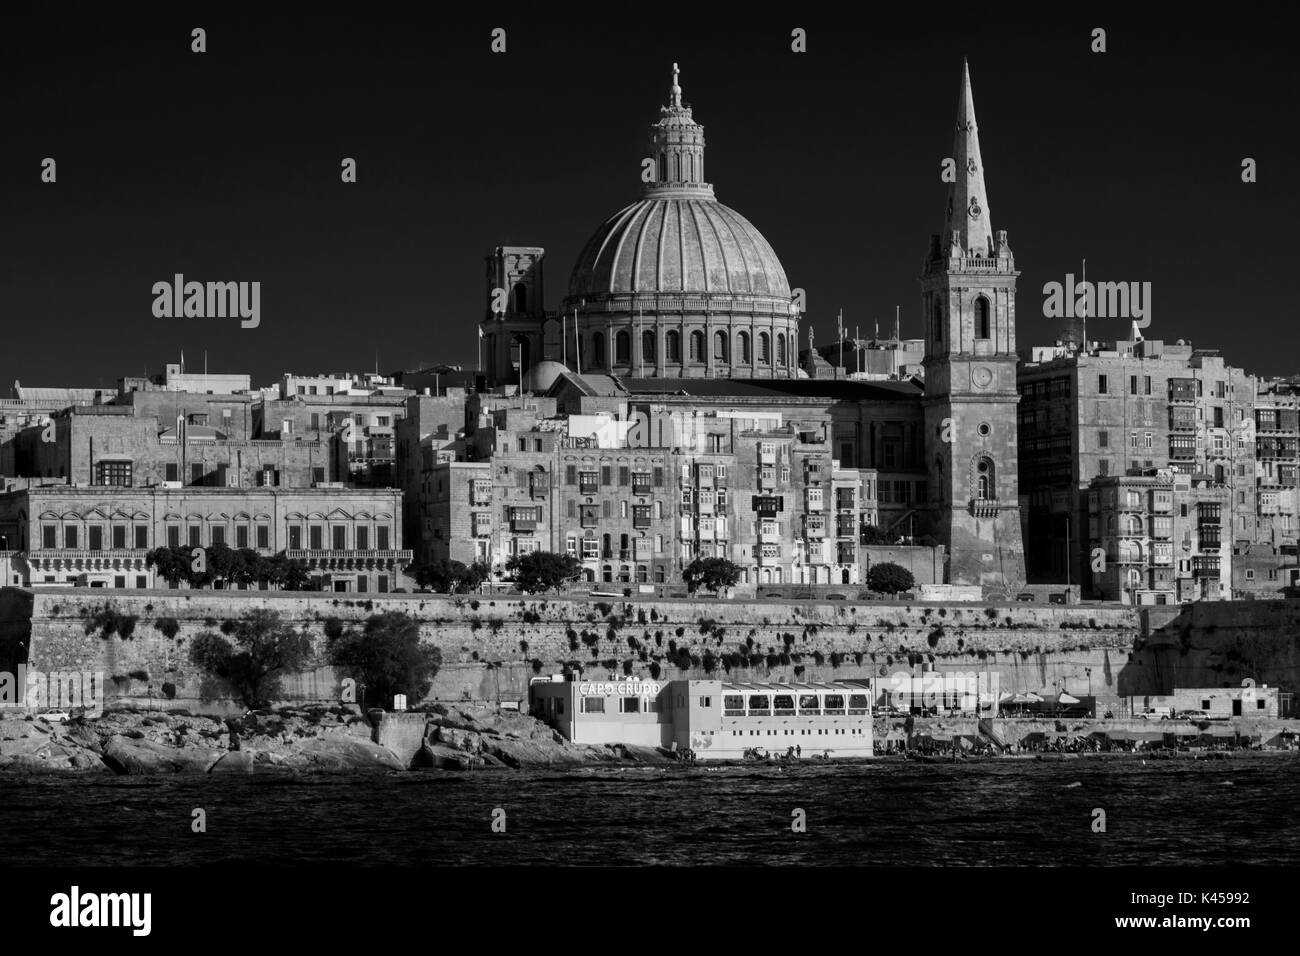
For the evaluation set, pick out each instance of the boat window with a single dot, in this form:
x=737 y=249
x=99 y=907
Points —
x=835 y=702
x=783 y=703
x=733 y=705
x=759 y=702
x=809 y=702
x=859 y=700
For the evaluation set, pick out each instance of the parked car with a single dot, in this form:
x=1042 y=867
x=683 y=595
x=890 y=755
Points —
x=836 y=597
x=54 y=716
x=1026 y=596
x=1152 y=715
x=1193 y=715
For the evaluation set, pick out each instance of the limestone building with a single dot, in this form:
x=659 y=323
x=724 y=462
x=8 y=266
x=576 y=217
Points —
x=677 y=306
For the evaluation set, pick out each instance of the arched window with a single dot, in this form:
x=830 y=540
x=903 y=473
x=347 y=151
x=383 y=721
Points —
x=720 y=346
x=690 y=168
x=938 y=321
x=764 y=349
x=597 y=351
x=982 y=318
x=677 y=167
x=673 y=346
x=648 y=347
x=780 y=349
x=623 y=348
x=521 y=297
x=697 y=346
x=742 y=343
x=984 y=484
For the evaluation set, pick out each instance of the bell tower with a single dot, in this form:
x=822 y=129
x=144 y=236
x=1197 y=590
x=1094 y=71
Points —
x=968 y=298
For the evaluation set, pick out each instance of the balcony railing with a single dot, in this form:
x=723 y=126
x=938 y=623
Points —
x=82 y=554
x=316 y=556
x=984 y=507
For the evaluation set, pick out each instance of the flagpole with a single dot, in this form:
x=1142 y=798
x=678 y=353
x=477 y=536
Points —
x=1085 y=308
x=577 y=342
x=564 y=340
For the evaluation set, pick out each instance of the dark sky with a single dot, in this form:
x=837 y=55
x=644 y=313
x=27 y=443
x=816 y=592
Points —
x=225 y=166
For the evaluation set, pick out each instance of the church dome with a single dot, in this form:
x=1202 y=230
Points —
x=675 y=246
x=677 y=285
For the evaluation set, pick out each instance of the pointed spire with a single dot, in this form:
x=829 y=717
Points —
x=968 y=220
x=675 y=92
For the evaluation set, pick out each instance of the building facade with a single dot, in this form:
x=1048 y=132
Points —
x=350 y=539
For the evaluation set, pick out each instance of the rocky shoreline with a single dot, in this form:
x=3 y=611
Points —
x=333 y=740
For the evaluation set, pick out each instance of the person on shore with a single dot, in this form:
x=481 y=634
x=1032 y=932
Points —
x=798 y=751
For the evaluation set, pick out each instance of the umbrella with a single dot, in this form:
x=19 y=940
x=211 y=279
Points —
x=1033 y=698
x=1064 y=698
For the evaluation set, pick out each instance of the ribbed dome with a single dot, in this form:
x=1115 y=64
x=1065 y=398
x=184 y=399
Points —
x=674 y=246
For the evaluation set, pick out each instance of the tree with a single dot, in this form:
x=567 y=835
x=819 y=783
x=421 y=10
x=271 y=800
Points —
x=451 y=577
x=253 y=660
x=872 y=534
x=386 y=656
x=543 y=571
x=712 y=573
x=889 y=578
x=172 y=564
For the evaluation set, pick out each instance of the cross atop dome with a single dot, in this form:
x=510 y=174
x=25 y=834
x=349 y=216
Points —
x=675 y=93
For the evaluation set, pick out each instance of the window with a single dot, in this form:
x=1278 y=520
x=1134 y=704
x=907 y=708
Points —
x=587 y=482
x=196 y=474
x=113 y=473
x=720 y=346
x=742 y=346
x=218 y=534
x=170 y=473
x=1132 y=384
x=764 y=349
x=780 y=349
x=673 y=346
x=316 y=535
x=834 y=704
x=96 y=538
x=241 y=536
x=697 y=346
x=1103 y=439
x=593 y=705
x=648 y=347
x=623 y=348
x=629 y=705
x=1101 y=384
x=382 y=533
x=982 y=318
x=597 y=351
x=590 y=549
x=141 y=537
x=340 y=535
x=196 y=536
x=295 y=538
x=263 y=536
x=1146 y=384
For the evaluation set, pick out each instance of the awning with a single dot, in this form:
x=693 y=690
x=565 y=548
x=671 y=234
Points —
x=1064 y=698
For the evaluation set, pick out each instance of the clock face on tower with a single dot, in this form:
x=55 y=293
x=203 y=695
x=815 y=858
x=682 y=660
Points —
x=981 y=377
